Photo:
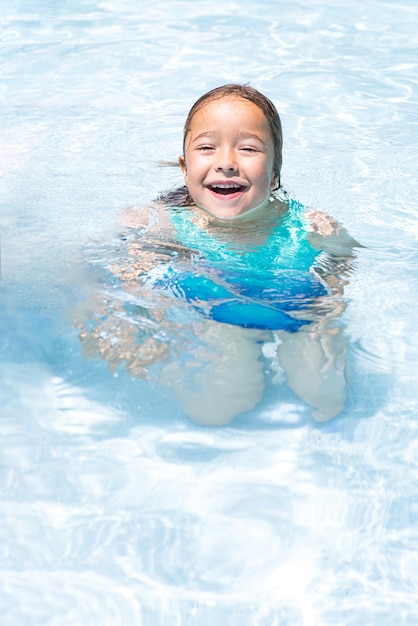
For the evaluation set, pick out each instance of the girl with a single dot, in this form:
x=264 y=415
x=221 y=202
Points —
x=265 y=275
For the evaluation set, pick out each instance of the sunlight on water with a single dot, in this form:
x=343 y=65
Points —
x=115 y=508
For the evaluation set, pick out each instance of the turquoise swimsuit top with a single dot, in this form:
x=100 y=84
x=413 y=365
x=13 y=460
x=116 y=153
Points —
x=253 y=286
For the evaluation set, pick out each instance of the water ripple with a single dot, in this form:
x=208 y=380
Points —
x=114 y=508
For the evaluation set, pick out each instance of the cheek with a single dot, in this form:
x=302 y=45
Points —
x=193 y=171
x=263 y=170
x=265 y=177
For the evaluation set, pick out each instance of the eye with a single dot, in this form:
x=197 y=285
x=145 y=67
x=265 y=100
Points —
x=204 y=148
x=249 y=149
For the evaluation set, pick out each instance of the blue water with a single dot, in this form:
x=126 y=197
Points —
x=115 y=508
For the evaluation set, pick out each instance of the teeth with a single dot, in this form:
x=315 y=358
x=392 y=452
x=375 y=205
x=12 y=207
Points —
x=226 y=186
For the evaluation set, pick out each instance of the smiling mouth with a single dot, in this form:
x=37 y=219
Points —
x=226 y=189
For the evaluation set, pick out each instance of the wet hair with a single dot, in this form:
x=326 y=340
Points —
x=256 y=97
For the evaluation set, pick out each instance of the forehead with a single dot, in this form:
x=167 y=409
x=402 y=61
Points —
x=234 y=109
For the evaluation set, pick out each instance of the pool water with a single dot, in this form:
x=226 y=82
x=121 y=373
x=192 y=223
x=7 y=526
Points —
x=116 y=508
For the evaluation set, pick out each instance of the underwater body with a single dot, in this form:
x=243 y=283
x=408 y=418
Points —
x=116 y=507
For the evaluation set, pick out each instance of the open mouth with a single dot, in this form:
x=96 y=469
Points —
x=226 y=189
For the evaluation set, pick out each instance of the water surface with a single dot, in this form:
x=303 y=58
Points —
x=115 y=508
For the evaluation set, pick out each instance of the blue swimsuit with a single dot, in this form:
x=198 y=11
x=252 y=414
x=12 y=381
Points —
x=253 y=286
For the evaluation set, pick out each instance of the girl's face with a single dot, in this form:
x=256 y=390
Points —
x=229 y=157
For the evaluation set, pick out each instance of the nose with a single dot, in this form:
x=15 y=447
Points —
x=226 y=161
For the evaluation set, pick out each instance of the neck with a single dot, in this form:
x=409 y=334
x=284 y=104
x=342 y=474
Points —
x=241 y=217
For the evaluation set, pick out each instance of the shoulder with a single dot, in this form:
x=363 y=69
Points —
x=154 y=216
x=321 y=223
x=326 y=233
x=136 y=217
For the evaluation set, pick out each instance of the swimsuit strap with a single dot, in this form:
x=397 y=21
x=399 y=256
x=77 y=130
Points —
x=286 y=247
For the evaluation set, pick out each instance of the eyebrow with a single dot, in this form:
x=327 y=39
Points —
x=241 y=135
x=206 y=133
x=247 y=135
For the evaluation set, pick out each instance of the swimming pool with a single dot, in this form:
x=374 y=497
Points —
x=115 y=508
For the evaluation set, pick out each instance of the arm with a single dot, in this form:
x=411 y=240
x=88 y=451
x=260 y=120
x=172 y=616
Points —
x=150 y=235
x=109 y=327
x=314 y=358
x=328 y=235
